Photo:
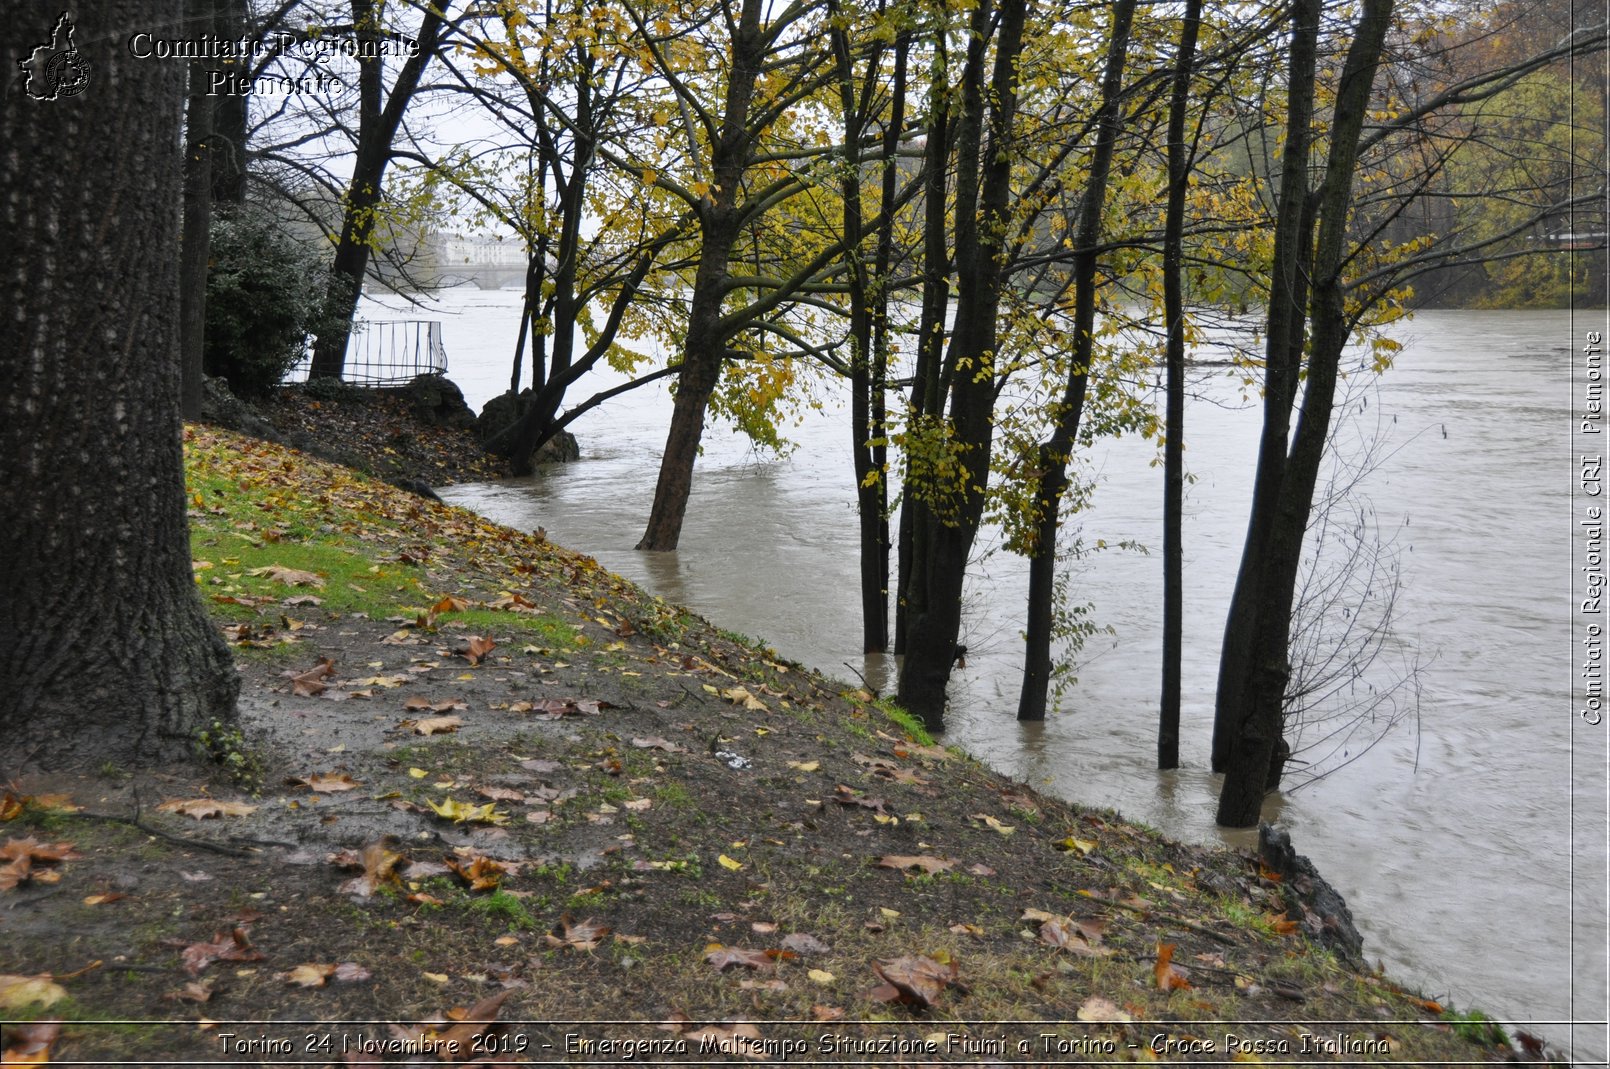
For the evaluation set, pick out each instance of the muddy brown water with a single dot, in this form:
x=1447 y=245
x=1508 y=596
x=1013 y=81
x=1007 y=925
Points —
x=1471 y=850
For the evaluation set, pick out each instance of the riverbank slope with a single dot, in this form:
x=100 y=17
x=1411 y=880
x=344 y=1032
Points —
x=479 y=780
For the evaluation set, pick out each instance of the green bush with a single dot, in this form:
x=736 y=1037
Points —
x=264 y=294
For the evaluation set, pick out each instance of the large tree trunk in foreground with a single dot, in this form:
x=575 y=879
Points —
x=105 y=649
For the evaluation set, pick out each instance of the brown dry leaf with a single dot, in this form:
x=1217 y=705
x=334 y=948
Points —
x=101 y=900
x=194 y=991
x=206 y=808
x=11 y=806
x=572 y=935
x=657 y=743
x=924 y=862
x=379 y=867
x=915 y=980
x=446 y=705
x=724 y=958
x=803 y=943
x=350 y=972
x=501 y=794
x=476 y=649
x=820 y=1012
x=309 y=975
x=236 y=947
x=846 y=796
x=326 y=782
x=480 y=873
x=17 y=849
x=435 y=725
x=762 y=985
x=1096 y=1008
x=1169 y=977
x=289 y=576
x=452 y=603
x=29 y=1044
x=1076 y=937
x=310 y=684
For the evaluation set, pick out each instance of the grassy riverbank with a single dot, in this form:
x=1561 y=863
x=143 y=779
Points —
x=479 y=780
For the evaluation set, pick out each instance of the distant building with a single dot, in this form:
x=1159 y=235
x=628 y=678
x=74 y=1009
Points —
x=489 y=262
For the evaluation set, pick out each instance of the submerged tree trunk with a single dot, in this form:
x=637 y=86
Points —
x=105 y=648
x=1283 y=348
x=983 y=192
x=1254 y=766
x=1055 y=453
x=1179 y=171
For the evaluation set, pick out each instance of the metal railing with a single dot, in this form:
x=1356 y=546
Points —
x=386 y=352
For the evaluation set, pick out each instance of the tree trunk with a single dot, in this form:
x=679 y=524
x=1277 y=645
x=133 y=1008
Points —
x=105 y=648
x=378 y=125
x=226 y=154
x=1283 y=347
x=910 y=597
x=196 y=241
x=983 y=193
x=1253 y=770
x=1179 y=171
x=1055 y=454
x=706 y=345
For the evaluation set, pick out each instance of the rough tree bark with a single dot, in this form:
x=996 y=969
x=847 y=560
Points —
x=104 y=645
x=196 y=243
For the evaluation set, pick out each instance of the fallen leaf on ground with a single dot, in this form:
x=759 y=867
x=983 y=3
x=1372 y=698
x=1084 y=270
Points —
x=310 y=684
x=741 y=696
x=378 y=864
x=480 y=873
x=805 y=766
x=235 y=947
x=1169 y=977
x=724 y=958
x=289 y=576
x=459 y=812
x=1096 y=1008
x=29 y=1044
x=476 y=649
x=435 y=725
x=19 y=991
x=206 y=808
x=1076 y=937
x=1004 y=829
x=804 y=943
x=417 y=703
x=925 y=862
x=915 y=980
x=569 y=934
x=657 y=743
x=326 y=782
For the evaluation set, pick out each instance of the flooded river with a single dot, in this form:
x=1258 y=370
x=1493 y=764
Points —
x=1471 y=846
